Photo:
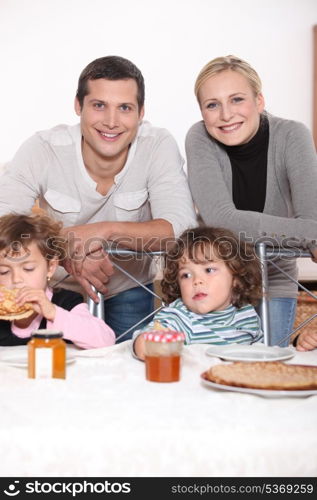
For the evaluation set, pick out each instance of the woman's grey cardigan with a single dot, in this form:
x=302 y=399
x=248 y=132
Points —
x=289 y=217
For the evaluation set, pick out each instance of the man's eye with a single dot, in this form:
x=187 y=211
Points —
x=2 y=273
x=125 y=107
x=99 y=105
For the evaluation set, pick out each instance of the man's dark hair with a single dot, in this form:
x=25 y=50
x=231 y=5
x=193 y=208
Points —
x=110 y=68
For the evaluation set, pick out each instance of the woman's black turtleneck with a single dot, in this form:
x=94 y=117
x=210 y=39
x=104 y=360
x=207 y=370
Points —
x=249 y=170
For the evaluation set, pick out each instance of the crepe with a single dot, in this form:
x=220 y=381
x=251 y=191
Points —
x=9 y=309
x=269 y=375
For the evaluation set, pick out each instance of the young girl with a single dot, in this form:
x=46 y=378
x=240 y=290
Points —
x=210 y=281
x=30 y=248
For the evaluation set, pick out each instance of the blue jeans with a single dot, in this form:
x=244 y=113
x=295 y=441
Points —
x=127 y=308
x=281 y=317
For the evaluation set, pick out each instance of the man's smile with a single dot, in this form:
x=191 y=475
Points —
x=109 y=137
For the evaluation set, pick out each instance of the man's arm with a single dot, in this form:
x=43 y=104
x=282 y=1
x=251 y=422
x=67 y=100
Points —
x=150 y=236
x=88 y=262
x=20 y=181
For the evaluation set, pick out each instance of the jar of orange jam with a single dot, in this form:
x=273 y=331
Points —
x=163 y=355
x=46 y=354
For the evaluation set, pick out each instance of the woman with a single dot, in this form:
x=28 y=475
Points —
x=253 y=173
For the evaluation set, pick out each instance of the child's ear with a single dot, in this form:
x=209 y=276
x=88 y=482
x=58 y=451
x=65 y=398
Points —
x=236 y=283
x=52 y=266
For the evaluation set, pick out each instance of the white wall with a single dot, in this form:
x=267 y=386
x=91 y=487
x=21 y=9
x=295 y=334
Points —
x=44 y=44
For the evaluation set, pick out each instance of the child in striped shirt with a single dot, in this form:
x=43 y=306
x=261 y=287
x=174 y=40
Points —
x=211 y=282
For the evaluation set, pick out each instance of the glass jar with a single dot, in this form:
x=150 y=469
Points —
x=46 y=355
x=163 y=355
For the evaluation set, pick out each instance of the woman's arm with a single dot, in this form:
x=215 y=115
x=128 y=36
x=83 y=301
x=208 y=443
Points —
x=301 y=166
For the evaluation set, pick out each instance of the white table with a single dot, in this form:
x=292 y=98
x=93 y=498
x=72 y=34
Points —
x=106 y=420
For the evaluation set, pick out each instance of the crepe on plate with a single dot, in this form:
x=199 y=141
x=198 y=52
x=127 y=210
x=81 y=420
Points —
x=267 y=375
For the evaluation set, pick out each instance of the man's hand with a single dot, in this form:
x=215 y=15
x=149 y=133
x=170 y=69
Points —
x=96 y=270
x=81 y=242
x=85 y=258
x=88 y=240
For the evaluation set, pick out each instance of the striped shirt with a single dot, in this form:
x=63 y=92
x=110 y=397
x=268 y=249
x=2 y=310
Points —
x=229 y=326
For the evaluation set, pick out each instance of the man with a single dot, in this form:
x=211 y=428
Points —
x=112 y=178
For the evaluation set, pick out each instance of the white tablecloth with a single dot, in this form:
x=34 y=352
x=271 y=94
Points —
x=106 y=420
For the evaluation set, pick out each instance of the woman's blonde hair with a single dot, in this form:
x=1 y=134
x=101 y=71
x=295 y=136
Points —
x=233 y=63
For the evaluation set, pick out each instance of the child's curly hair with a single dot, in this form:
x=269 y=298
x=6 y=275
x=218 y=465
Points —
x=239 y=256
x=18 y=231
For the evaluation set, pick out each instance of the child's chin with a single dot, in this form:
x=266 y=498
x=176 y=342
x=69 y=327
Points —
x=203 y=309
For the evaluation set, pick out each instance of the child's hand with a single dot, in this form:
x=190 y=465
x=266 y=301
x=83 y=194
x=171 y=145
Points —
x=39 y=301
x=306 y=341
x=139 y=347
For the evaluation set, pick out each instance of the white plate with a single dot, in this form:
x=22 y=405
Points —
x=253 y=352
x=258 y=392
x=21 y=361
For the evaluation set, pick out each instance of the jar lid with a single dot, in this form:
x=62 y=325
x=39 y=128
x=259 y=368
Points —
x=164 y=336
x=47 y=334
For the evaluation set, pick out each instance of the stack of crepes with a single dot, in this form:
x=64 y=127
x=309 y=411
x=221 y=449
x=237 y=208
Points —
x=266 y=375
x=9 y=309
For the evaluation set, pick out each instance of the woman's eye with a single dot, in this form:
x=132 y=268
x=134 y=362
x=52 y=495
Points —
x=2 y=273
x=212 y=105
x=29 y=269
x=236 y=100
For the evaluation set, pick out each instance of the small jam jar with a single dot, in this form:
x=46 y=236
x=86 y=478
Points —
x=162 y=355
x=46 y=355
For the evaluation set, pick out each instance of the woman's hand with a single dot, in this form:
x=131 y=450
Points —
x=41 y=304
x=314 y=255
x=307 y=341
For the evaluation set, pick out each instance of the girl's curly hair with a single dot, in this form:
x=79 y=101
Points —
x=18 y=231
x=239 y=256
